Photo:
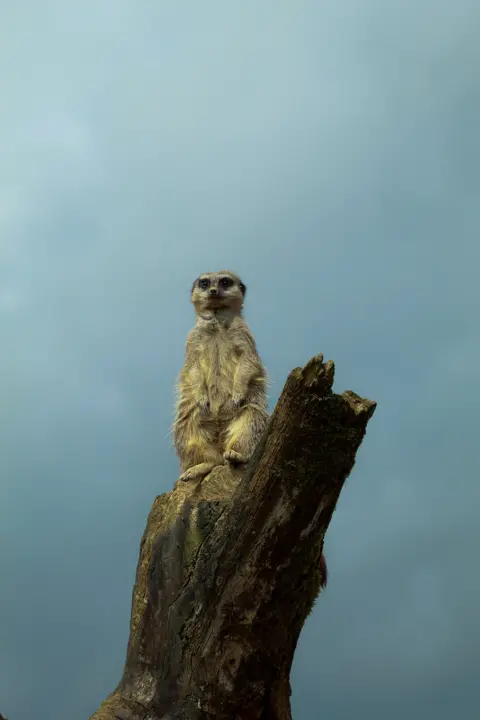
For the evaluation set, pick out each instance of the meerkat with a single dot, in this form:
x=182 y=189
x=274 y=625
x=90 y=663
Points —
x=221 y=393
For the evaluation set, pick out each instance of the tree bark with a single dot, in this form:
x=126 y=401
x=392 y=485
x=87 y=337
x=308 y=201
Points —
x=229 y=568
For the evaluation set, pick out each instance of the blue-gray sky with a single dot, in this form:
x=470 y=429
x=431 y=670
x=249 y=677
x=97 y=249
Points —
x=329 y=153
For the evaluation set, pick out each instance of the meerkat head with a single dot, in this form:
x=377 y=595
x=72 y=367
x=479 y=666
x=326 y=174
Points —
x=218 y=291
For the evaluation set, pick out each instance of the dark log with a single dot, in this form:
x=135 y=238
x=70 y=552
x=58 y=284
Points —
x=229 y=568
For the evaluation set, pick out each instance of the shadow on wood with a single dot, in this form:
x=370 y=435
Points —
x=229 y=568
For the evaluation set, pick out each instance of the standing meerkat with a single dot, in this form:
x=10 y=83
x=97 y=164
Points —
x=222 y=402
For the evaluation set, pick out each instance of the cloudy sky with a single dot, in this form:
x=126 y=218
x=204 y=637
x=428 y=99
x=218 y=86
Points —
x=328 y=152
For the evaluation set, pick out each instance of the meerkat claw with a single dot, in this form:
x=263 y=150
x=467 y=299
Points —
x=204 y=406
x=196 y=472
x=186 y=476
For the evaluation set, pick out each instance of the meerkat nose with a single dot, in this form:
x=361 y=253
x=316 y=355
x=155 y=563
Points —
x=213 y=291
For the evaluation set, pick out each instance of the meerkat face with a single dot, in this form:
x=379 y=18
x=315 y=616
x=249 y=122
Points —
x=215 y=290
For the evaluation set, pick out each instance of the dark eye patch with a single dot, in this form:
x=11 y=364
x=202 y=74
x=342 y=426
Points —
x=226 y=282
x=204 y=283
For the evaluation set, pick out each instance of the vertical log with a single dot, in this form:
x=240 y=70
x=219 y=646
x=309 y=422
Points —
x=230 y=567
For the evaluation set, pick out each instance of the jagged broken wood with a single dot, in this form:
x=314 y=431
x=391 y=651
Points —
x=229 y=567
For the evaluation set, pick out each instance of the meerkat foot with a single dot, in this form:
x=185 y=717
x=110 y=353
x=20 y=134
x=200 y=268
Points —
x=197 y=472
x=234 y=457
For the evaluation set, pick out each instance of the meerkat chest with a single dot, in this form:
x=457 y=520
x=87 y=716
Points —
x=218 y=357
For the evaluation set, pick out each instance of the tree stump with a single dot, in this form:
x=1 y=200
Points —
x=229 y=567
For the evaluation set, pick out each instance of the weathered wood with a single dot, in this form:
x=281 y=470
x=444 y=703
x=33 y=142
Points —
x=229 y=568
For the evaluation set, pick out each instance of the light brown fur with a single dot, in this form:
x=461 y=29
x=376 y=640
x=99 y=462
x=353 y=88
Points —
x=222 y=402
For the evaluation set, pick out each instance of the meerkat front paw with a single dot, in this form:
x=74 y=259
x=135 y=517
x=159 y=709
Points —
x=237 y=400
x=203 y=403
x=234 y=457
x=204 y=406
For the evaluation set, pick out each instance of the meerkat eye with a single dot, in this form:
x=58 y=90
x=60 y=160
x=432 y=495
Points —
x=204 y=283
x=226 y=282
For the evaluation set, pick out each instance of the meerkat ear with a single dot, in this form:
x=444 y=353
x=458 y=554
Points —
x=243 y=288
x=193 y=286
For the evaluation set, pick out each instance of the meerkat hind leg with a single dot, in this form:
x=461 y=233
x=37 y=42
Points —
x=197 y=448
x=243 y=434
